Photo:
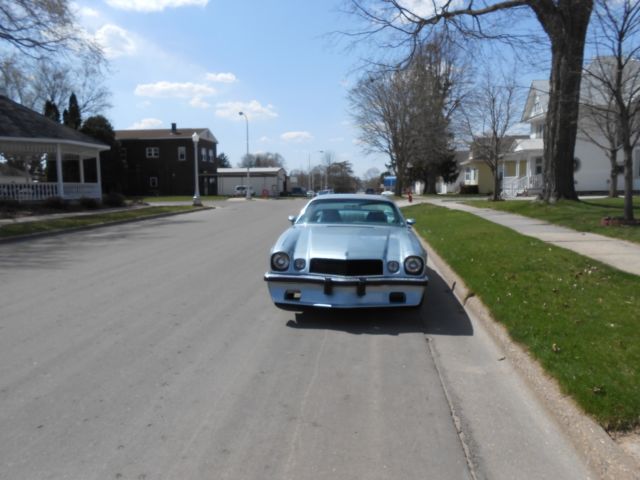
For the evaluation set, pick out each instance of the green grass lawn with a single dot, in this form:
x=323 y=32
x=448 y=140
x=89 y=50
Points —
x=183 y=198
x=584 y=216
x=65 y=223
x=578 y=317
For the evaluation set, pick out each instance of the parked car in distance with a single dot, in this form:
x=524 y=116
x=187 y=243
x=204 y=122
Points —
x=311 y=194
x=326 y=191
x=298 y=192
x=347 y=251
x=370 y=191
x=387 y=193
x=241 y=191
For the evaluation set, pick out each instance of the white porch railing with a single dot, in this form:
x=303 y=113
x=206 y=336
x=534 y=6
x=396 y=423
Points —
x=514 y=186
x=25 y=192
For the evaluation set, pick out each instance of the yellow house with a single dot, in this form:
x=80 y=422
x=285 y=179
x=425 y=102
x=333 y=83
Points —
x=476 y=171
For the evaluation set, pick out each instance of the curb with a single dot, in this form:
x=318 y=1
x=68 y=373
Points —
x=31 y=236
x=598 y=450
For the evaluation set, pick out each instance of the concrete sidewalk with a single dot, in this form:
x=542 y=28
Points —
x=619 y=254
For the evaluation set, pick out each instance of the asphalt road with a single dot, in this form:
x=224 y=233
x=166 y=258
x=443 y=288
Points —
x=151 y=350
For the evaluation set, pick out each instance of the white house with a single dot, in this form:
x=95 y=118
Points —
x=28 y=134
x=522 y=168
x=265 y=181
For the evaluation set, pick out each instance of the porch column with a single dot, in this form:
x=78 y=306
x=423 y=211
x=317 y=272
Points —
x=518 y=167
x=98 y=174
x=59 y=171
x=81 y=165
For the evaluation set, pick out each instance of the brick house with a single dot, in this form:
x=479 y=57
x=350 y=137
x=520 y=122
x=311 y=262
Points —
x=160 y=161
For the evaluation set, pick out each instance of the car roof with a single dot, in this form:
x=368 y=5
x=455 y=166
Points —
x=351 y=196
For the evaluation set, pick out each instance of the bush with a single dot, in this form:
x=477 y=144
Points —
x=89 y=203
x=469 y=190
x=55 y=203
x=114 y=200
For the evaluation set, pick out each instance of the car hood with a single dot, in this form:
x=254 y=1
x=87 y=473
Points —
x=342 y=242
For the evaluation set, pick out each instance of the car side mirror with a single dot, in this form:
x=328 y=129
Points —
x=411 y=221
x=292 y=218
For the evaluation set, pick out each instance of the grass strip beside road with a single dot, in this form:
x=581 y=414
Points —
x=578 y=317
x=584 y=216
x=89 y=220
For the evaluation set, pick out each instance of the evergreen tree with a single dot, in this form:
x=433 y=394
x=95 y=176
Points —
x=71 y=116
x=51 y=111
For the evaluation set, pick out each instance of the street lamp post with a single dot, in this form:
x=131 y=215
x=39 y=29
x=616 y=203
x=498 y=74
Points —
x=196 y=196
x=242 y=114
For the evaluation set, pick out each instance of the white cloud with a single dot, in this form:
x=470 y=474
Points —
x=154 y=5
x=296 y=136
x=198 y=102
x=165 y=89
x=88 y=12
x=253 y=110
x=146 y=123
x=222 y=77
x=264 y=139
x=115 y=41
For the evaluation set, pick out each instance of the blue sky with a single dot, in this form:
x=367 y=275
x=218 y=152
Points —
x=199 y=62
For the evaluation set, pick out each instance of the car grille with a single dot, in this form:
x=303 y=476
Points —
x=349 y=268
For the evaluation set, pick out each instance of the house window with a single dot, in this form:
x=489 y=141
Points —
x=153 y=182
x=152 y=152
x=538 y=166
x=539 y=133
x=470 y=175
x=203 y=154
x=182 y=154
x=211 y=156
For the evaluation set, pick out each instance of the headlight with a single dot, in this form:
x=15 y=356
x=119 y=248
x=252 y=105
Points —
x=279 y=261
x=413 y=265
x=393 y=266
x=299 y=263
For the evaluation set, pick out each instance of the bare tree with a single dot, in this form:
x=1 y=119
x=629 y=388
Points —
x=490 y=113
x=45 y=56
x=36 y=27
x=438 y=83
x=381 y=109
x=406 y=113
x=616 y=74
x=263 y=159
x=565 y=23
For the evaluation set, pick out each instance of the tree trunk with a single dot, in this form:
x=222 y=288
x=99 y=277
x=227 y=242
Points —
x=628 y=182
x=496 y=185
x=567 y=33
x=613 y=175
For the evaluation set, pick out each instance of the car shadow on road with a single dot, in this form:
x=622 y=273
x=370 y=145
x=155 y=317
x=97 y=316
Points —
x=440 y=314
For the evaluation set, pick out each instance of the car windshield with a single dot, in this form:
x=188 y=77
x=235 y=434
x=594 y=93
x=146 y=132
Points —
x=351 y=211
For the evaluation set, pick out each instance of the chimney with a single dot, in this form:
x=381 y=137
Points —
x=174 y=128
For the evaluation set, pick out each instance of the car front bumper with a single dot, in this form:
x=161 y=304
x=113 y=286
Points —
x=298 y=292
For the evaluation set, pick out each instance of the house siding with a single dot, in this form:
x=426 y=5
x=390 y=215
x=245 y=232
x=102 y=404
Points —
x=167 y=174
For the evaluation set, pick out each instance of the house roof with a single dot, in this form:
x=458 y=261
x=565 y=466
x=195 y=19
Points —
x=253 y=170
x=165 y=134
x=479 y=146
x=21 y=125
x=528 y=144
x=592 y=90
x=538 y=95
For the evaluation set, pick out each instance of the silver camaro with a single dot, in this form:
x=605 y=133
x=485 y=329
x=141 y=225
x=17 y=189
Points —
x=347 y=251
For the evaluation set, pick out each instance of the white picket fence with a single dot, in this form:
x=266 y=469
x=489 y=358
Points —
x=26 y=192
